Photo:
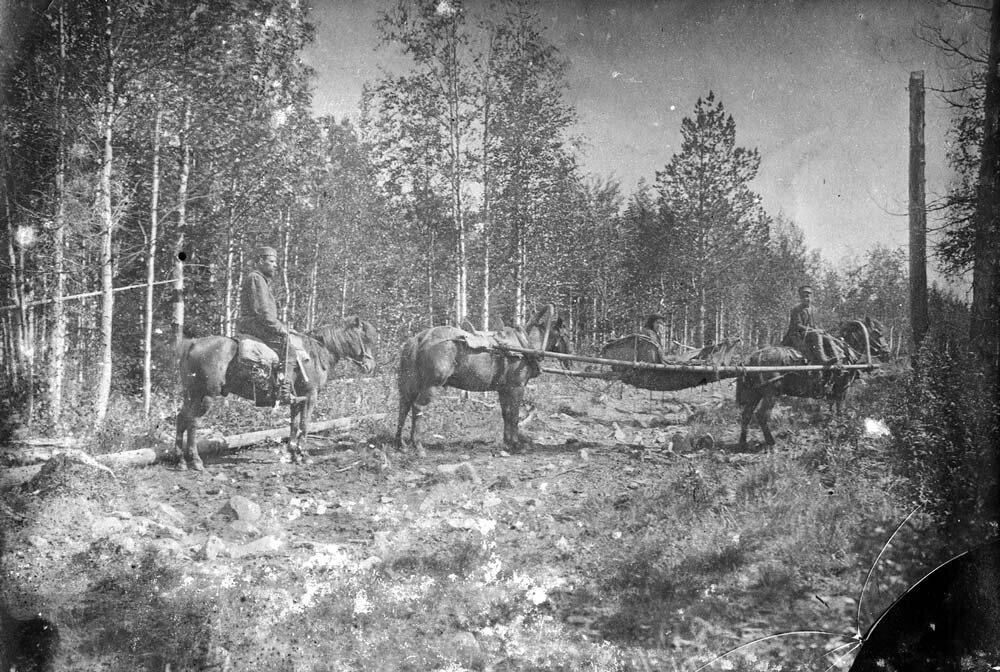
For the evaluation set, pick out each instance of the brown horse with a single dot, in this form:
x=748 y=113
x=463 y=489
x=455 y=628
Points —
x=757 y=392
x=451 y=357
x=209 y=368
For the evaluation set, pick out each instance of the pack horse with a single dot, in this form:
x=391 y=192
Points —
x=451 y=357
x=212 y=366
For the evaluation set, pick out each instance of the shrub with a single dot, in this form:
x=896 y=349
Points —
x=944 y=434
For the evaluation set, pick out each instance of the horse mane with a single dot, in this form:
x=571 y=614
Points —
x=332 y=336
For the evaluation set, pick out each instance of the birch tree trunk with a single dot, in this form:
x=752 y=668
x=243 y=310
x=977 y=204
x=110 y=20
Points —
x=57 y=344
x=180 y=255
x=285 y=242
x=313 y=288
x=227 y=320
x=154 y=214
x=107 y=225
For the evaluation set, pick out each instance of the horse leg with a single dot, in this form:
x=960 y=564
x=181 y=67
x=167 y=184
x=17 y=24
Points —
x=186 y=442
x=405 y=405
x=510 y=407
x=419 y=404
x=295 y=411
x=301 y=453
x=184 y=420
x=746 y=414
x=764 y=417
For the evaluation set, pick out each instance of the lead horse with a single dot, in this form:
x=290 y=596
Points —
x=451 y=357
x=757 y=392
x=208 y=369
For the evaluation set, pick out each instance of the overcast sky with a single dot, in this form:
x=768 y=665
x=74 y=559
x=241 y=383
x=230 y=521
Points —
x=819 y=88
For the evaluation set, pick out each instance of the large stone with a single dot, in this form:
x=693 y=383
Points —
x=261 y=546
x=241 y=508
x=214 y=548
x=463 y=648
x=168 y=515
x=242 y=529
x=105 y=527
x=461 y=471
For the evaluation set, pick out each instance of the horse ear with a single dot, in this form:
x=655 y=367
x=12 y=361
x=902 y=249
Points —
x=357 y=321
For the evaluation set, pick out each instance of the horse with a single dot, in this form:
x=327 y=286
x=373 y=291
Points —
x=209 y=368
x=451 y=357
x=757 y=392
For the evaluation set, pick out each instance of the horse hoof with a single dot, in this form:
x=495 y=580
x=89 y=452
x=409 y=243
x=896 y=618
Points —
x=197 y=465
x=182 y=465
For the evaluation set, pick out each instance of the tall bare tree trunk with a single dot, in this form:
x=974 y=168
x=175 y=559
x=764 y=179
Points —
x=983 y=329
x=107 y=225
x=227 y=321
x=286 y=233
x=180 y=254
x=455 y=130
x=57 y=344
x=313 y=287
x=918 y=213
x=154 y=217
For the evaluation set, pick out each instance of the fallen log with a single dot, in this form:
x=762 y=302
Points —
x=209 y=443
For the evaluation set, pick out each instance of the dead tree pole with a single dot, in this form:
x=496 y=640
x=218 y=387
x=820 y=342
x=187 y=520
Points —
x=918 y=213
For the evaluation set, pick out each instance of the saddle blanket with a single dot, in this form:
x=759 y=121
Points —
x=255 y=350
x=488 y=340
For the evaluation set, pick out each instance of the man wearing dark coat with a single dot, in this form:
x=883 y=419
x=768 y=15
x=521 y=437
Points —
x=807 y=338
x=259 y=311
x=800 y=319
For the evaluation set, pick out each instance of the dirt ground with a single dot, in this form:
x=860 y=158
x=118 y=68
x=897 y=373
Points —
x=614 y=543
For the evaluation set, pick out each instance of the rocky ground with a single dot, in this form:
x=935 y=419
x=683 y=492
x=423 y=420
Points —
x=632 y=536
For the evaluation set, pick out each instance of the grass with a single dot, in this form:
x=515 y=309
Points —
x=574 y=563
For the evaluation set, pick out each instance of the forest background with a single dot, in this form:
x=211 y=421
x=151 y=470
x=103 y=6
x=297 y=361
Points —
x=148 y=146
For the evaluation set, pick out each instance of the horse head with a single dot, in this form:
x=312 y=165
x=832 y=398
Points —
x=853 y=333
x=354 y=339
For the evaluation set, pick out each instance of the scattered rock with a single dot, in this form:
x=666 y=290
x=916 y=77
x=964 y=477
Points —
x=241 y=508
x=463 y=648
x=214 y=548
x=162 y=530
x=164 y=513
x=168 y=547
x=106 y=526
x=503 y=482
x=261 y=546
x=38 y=541
x=243 y=528
x=462 y=471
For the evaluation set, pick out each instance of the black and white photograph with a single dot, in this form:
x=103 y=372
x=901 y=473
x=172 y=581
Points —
x=499 y=335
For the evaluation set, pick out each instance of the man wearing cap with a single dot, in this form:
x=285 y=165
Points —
x=800 y=319
x=259 y=311
x=807 y=338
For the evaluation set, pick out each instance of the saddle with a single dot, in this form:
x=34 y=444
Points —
x=255 y=369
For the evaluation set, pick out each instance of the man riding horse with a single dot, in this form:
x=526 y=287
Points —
x=259 y=316
x=803 y=334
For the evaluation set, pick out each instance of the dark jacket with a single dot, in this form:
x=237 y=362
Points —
x=800 y=319
x=258 y=310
